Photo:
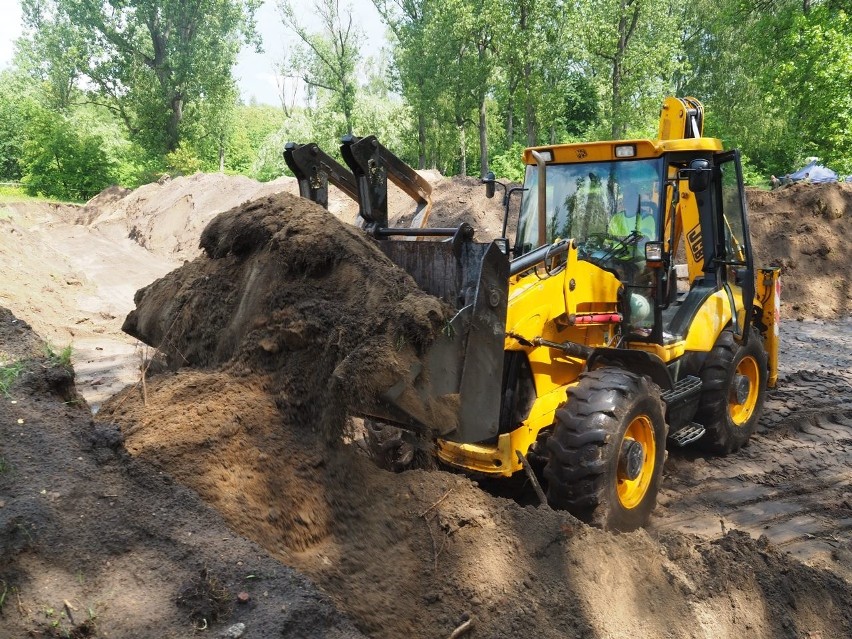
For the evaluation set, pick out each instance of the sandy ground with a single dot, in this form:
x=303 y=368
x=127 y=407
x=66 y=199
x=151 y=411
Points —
x=395 y=554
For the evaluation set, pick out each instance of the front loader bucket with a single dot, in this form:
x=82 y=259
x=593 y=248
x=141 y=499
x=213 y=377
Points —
x=455 y=389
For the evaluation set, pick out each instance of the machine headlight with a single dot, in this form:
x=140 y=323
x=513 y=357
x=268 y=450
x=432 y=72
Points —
x=654 y=253
x=625 y=151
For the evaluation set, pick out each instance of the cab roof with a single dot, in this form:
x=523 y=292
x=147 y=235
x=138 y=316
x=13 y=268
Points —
x=605 y=151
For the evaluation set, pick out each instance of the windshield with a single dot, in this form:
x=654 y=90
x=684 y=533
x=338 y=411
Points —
x=595 y=203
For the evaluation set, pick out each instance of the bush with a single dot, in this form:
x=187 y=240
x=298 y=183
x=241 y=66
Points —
x=508 y=165
x=58 y=161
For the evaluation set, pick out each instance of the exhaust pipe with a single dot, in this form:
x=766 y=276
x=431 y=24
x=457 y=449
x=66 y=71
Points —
x=542 y=197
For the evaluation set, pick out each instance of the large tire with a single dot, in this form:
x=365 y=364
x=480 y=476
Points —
x=734 y=385
x=606 y=453
x=395 y=449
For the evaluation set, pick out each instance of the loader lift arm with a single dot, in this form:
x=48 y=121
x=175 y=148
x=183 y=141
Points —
x=314 y=169
x=372 y=165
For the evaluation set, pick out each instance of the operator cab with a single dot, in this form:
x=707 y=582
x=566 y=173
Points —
x=611 y=210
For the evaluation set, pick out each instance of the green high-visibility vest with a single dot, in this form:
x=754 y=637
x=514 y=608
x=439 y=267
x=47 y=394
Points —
x=622 y=225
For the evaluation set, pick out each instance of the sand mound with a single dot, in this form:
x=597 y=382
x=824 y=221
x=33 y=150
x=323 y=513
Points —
x=462 y=199
x=167 y=217
x=287 y=289
x=806 y=230
x=410 y=554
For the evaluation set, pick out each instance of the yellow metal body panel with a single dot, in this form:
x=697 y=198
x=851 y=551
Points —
x=674 y=117
x=768 y=293
x=501 y=458
x=544 y=305
x=713 y=316
x=605 y=151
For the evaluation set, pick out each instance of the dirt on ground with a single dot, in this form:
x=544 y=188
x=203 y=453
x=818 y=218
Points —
x=805 y=230
x=218 y=478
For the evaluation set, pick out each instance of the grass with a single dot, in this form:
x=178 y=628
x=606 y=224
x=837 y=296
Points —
x=60 y=357
x=8 y=374
x=4 y=466
x=16 y=193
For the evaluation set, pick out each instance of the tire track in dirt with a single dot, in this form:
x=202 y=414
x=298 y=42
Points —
x=792 y=483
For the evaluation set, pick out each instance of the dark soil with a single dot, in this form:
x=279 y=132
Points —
x=219 y=478
x=96 y=543
x=288 y=290
x=806 y=229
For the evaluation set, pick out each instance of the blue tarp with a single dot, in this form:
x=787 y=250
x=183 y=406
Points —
x=814 y=173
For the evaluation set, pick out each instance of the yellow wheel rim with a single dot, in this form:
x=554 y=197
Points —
x=741 y=402
x=633 y=482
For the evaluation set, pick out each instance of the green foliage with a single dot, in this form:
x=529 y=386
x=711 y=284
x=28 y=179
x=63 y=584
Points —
x=509 y=164
x=163 y=66
x=12 y=123
x=183 y=161
x=327 y=60
x=104 y=92
x=61 y=357
x=753 y=176
x=60 y=161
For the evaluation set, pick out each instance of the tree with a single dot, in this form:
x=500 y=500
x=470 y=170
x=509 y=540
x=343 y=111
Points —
x=633 y=46
x=13 y=107
x=328 y=60
x=417 y=71
x=153 y=61
x=58 y=161
x=50 y=56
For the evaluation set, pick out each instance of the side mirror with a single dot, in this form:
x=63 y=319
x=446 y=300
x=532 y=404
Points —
x=488 y=180
x=699 y=175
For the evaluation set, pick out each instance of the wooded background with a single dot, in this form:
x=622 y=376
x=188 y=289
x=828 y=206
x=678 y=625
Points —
x=122 y=91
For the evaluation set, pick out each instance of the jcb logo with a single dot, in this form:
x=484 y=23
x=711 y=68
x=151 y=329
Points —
x=695 y=243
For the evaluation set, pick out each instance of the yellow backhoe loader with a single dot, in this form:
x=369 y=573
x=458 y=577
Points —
x=576 y=355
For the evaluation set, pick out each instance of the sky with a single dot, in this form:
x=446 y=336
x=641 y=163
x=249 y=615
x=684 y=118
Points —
x=254 y=71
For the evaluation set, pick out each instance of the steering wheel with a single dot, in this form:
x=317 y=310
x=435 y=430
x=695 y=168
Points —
x=604 y=246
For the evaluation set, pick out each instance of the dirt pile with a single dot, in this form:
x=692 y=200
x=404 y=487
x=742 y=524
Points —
x=806 y=229
x=95 y=543
x=286 y=289
x=412 y=554
x=289 y=310
x=167 y=217
x=462 y=199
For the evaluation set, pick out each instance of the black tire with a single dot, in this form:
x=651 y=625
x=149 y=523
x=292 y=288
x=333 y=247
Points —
x=395 y=449
x=592 y=453
x=730 y=407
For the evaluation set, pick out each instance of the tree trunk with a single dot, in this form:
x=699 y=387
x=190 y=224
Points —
x=421 y=141
x=625 y=32
x=510 y=122
x=221 y=156
x=532 y=134
x=483 y=139
x=173 y=125
x=462 y=148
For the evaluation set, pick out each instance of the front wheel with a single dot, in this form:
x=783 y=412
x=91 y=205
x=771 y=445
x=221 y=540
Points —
x=606 y=453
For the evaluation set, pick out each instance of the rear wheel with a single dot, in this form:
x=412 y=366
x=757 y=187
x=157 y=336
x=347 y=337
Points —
x=734 y=382
x=607 y=450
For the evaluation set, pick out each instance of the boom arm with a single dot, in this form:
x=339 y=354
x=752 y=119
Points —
x=681 y=119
